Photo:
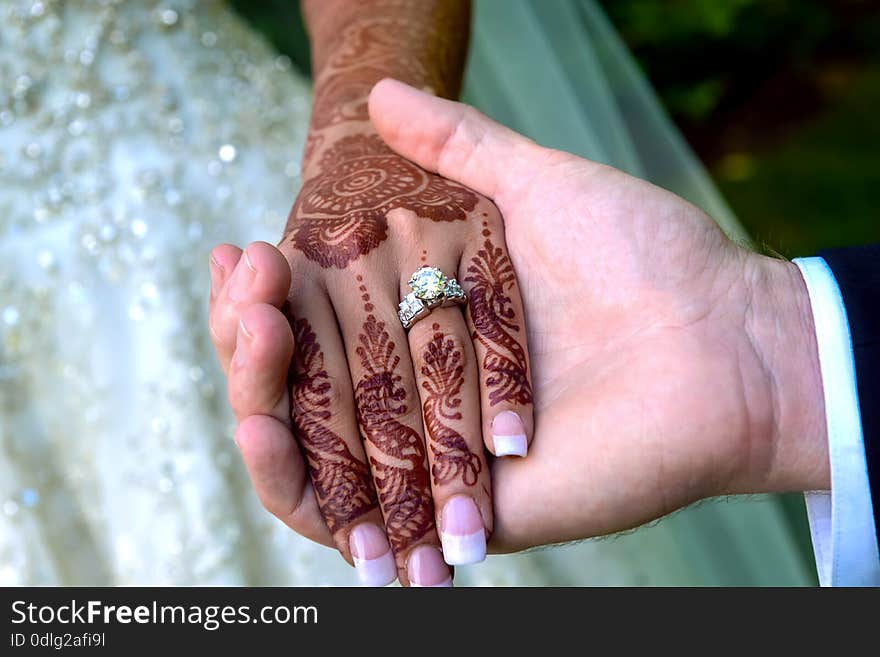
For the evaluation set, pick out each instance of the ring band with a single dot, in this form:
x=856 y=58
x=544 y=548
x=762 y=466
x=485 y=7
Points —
x=430 y=289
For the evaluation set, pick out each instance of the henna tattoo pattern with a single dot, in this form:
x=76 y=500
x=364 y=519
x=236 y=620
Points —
x=313 y=143
x=443 y=371
x=369 y=49
x=341 y=211
x=491 y=274
x=401 y=473
x=341 y=214
x=342 y=482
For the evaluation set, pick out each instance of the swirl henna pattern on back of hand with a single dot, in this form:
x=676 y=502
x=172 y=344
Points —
x=342 y=482
x=491 y=274
x=400 y=474
x=341 y=214
x=443 y=370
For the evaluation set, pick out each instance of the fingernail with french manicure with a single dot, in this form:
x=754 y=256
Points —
x=242 y=278
x=461 y=532
x=372 y=556
x=425 y=567
x=509 y=435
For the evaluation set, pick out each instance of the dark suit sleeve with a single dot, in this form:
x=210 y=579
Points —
x=857 y=271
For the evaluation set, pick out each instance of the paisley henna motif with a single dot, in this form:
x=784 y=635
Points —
x=400 y=473
x=341 y=213
x=443 y=371
x=491 y=275
x=342 y=482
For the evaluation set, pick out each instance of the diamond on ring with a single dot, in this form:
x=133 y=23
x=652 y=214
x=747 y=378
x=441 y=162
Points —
x=430 y=288
x=428 y=283
x=411 y=309
x=453 y=293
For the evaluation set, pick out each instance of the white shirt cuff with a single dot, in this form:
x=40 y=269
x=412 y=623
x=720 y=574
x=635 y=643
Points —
x=842 y=520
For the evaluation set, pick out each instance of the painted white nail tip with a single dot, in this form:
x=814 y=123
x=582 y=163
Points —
x=446 y=583
x=380 y=571
x=516 y=445
x=463 y=550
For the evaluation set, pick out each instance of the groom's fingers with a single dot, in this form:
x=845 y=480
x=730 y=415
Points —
x=258 y=395
x=278 y=474
x=257 y=382
x=261 y=275
x=453 y=139
x=224 y=257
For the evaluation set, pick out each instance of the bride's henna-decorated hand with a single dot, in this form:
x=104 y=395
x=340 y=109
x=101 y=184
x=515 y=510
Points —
x=393 y=426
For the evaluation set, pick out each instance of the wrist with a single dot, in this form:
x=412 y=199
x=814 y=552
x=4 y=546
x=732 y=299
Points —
x=781 y=330
x=319 y=140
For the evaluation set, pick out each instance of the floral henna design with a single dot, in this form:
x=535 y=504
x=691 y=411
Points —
x=491 y=274
x=341 y=214
x=400 y=473
x=342 y=482
x=443 y=368
x=341 y=211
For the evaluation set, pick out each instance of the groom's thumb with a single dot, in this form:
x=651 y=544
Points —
x=452 y=139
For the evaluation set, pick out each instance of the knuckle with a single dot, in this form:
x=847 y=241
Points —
x=457 y=137
x=435 y=350
x=333 y=394
x=446 y=347
x=403 y=222
x=287 y=511
x=493 y=218
x=311 y=394
x=406 y=514
x=464 y=140
x=215 y=329
x=411 y=415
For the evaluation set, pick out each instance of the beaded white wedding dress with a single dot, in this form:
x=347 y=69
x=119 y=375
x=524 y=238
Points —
x=133 y=137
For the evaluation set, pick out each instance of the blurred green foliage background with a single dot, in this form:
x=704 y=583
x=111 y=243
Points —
x=779 y=98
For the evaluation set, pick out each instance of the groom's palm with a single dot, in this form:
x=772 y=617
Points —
x=621 y=283
x=628 y=292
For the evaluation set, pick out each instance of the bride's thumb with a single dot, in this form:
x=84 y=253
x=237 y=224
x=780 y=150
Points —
x=453 y=139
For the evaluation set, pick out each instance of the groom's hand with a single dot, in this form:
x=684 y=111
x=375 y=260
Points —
x=669 y=364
